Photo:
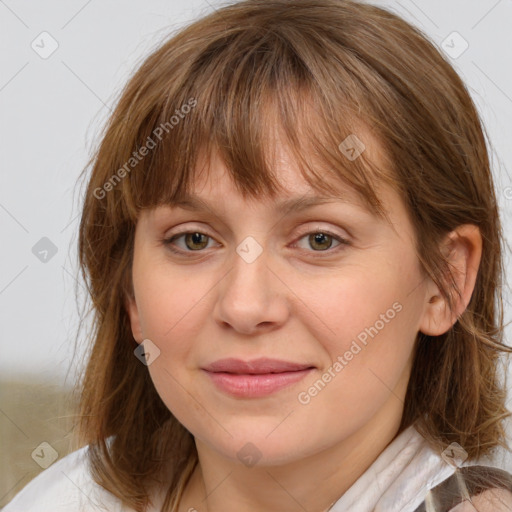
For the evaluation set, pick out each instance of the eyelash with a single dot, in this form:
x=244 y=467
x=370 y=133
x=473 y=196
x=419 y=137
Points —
x=342 y=241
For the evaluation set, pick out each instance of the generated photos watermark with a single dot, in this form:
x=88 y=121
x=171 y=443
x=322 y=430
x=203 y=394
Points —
x=304 y=397
x=151 y=142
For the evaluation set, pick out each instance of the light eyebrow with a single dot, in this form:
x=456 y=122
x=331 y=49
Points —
x=283 y=207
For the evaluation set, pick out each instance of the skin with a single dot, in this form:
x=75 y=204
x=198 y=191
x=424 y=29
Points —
x=294 y=302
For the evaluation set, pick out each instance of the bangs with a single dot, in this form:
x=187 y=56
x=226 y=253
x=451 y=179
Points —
x=240 y=98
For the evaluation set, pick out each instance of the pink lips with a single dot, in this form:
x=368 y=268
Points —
x=257 y=378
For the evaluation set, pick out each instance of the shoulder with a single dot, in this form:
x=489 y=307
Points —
x=66 y=486
x=492 y=500
x=490 y=489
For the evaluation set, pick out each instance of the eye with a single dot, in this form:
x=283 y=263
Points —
x=194 y=241
x=322 y=240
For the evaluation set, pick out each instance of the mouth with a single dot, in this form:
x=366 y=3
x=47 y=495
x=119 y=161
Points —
x=256 y=378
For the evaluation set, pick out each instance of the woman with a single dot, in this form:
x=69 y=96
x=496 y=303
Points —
x=293 y=249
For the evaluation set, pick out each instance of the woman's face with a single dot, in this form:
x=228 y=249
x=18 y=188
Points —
x=281 y=333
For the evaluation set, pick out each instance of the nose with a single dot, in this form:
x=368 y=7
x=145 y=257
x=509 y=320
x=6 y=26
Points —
x=252 y=297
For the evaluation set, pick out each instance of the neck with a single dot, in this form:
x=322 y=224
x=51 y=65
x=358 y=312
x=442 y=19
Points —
x=313 y=483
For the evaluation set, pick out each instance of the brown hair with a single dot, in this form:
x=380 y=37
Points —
x=323 y=69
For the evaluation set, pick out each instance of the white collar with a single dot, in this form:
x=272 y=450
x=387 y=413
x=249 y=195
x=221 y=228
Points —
x=398 y=480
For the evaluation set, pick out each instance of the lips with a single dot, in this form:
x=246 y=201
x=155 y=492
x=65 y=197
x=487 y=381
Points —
x=255 y=367
x=256 y=378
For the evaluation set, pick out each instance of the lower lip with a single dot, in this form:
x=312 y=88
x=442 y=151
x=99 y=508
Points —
x=255 y=386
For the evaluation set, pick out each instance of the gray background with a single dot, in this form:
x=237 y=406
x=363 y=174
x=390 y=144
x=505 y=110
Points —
x=53 y=108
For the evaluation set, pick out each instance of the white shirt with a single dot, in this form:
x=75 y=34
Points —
x=397 y=481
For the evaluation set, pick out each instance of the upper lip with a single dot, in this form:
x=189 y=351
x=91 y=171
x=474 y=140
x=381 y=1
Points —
x=256 y=366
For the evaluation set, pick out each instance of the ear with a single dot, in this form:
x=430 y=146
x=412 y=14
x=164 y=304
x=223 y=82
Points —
x=133 y=312
x=463 y=249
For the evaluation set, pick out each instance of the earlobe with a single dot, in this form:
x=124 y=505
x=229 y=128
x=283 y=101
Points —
x=133 y=313
x=463 y=250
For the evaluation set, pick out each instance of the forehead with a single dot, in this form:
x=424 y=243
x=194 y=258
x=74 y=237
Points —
x=278 y=165
x=212 y=183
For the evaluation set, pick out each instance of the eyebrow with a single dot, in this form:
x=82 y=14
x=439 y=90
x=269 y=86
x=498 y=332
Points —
x=284 y=207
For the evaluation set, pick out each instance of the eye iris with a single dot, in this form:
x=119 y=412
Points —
x=196 y=239
x=318 y=238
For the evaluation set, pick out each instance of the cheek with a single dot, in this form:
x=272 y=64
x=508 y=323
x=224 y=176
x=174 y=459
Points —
x=172 y=312
x=361 y=304
x=367 y=322
x=169 y=304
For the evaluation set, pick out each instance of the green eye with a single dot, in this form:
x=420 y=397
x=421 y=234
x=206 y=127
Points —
x=194 y=241
x=322 y=241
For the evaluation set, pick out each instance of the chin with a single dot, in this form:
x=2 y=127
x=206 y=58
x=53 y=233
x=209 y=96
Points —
x=261 y=446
